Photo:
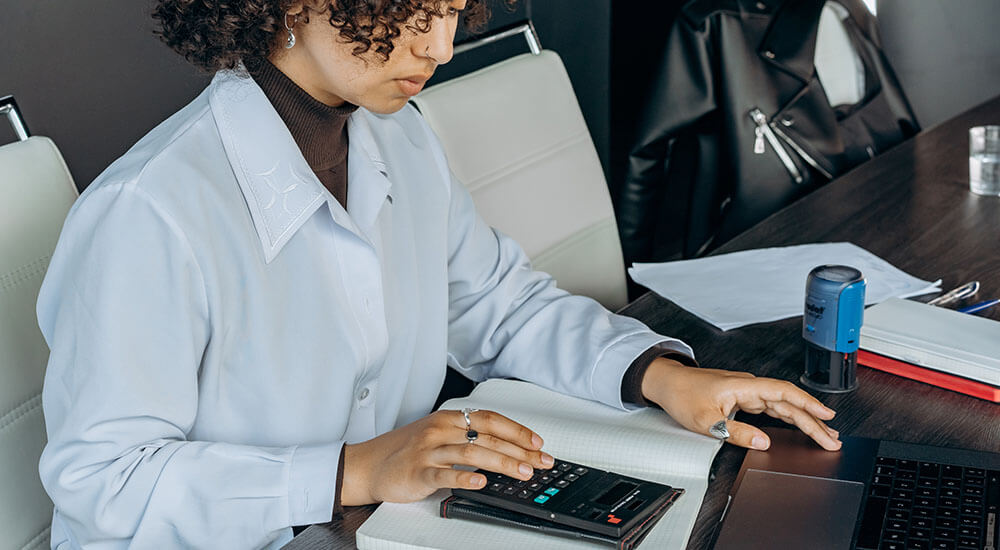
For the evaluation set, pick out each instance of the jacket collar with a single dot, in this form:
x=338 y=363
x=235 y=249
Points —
x=790 y=41
x=280 y=190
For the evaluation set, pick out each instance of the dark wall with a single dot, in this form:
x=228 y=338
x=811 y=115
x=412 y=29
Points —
x=945 y=52
x=91 y=76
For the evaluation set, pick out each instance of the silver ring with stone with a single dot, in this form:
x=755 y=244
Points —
x=719 y=430
x=470 y=435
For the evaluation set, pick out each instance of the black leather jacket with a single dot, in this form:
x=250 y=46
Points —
x=738 y=124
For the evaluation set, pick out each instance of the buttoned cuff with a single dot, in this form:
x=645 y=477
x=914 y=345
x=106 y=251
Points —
x=618 y=357
x=632 y=381
x=312 y=485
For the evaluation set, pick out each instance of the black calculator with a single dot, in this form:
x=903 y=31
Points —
x=578 y=496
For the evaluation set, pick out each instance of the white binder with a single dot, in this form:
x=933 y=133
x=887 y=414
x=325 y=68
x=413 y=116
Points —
x=935 y=338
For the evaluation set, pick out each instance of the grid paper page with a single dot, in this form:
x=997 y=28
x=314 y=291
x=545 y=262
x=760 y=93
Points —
x=645 y=443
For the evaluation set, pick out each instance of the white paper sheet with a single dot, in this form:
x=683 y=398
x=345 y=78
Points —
x=768 y=284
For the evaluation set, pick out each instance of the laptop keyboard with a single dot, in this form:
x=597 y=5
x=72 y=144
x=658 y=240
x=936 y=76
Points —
x=915 y=505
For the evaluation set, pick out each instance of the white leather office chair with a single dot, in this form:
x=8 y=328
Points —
x=838 y=64
x=36 y=192
x=515 y=136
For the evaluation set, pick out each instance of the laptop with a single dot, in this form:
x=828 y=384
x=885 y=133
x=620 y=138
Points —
x=872 y=495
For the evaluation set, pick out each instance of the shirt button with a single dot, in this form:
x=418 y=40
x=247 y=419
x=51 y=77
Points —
x=363 y=394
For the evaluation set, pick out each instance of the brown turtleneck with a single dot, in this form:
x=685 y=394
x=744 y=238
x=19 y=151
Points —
x=318 y=129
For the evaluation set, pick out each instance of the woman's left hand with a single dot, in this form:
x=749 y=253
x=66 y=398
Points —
x=697 y=398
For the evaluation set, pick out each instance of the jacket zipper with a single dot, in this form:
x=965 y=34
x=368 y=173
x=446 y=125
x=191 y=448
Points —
x=765 y=131
x=805 y=156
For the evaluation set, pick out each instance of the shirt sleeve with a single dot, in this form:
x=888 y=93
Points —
x=506 y=320
x=125 y=313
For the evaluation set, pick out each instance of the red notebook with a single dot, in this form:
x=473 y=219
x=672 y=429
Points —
x=982 y=390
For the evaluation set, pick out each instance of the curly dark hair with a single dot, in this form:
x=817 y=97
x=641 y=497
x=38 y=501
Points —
x=218 y=34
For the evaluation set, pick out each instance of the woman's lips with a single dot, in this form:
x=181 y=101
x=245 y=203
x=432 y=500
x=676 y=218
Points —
x=412 y=85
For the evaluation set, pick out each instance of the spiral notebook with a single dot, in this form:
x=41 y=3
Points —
x=645 y=443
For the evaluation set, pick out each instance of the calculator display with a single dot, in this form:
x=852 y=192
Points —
x=615 y=493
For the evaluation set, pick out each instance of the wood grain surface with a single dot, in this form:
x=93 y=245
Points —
x=910 y=206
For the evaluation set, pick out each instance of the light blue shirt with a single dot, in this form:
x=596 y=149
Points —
x=220 y=326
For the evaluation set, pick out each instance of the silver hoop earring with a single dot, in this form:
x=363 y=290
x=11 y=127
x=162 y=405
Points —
x=290 y=42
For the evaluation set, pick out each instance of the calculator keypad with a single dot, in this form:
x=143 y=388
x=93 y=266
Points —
x=542 y=486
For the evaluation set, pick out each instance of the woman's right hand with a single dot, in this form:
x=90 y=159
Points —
x=412 y=462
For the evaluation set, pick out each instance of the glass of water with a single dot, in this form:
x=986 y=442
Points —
x=984 y=160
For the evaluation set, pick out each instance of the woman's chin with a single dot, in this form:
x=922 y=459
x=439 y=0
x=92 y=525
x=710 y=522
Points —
x=385 y=106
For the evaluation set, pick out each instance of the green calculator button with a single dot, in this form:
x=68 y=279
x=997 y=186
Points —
x=541 y=499
x=551 y=491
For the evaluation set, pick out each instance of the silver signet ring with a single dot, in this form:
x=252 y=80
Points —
x=719 y=430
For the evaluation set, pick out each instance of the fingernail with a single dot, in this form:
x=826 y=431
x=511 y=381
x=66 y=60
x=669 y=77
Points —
x=536 y=441
x=547 y=459
x=525 y=470
x=759 y=443
x=478 y=481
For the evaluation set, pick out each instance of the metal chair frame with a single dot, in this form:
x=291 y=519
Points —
x=525 y=28
x=8 y=107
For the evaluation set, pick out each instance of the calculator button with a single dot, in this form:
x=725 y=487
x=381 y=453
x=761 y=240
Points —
x=541 y=499
x=524 y=493
x=555 y=472
x=496 y=487
x=551 y=491
x=534 y=486
x=561 y=483
x=580 y=470
x=571 y=477
x=510 y=490
x=544 y=479
x=564 y=466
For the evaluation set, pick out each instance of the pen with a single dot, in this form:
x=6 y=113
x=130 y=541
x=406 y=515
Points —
x=964 y=291
x=978 y=307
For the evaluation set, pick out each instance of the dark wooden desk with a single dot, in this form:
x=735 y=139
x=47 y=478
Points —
x=910 y=206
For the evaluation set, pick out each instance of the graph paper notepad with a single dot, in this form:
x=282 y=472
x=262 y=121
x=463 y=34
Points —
x=646 y=444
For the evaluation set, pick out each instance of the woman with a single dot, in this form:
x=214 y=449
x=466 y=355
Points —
x=249 y=313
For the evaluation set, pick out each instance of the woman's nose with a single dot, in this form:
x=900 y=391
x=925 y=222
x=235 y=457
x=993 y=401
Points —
x=438 y=41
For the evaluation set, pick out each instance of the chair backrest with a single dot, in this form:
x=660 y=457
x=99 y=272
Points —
x=837 y=62
x=516 y=138
x=36 y=192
